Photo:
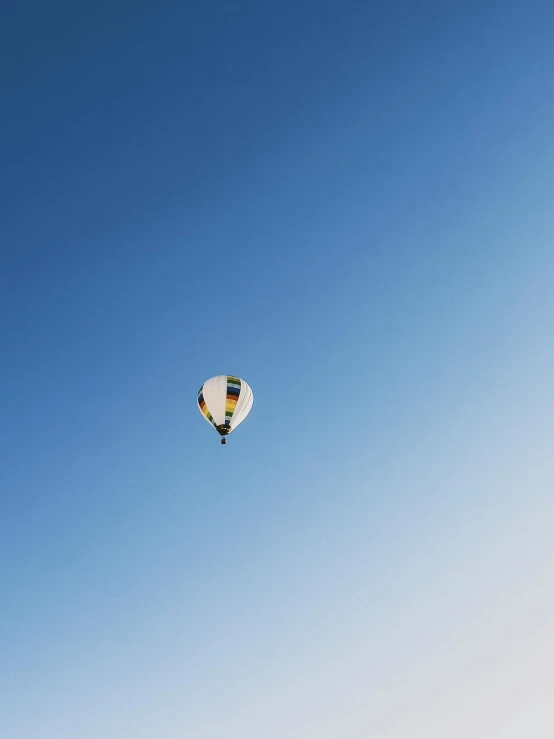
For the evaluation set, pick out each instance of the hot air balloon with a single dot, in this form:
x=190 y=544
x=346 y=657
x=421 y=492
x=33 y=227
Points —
x=225 y=401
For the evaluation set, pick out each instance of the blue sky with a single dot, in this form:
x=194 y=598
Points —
x=350 y=206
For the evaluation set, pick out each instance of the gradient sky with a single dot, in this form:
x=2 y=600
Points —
x=350 y=205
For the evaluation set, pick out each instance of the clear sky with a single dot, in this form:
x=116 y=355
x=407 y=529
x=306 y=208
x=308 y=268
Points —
x=350 y=205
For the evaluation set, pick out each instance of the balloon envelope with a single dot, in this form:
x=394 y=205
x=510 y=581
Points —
x=225 y=401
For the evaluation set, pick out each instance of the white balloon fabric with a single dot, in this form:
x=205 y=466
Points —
x=225 y=401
